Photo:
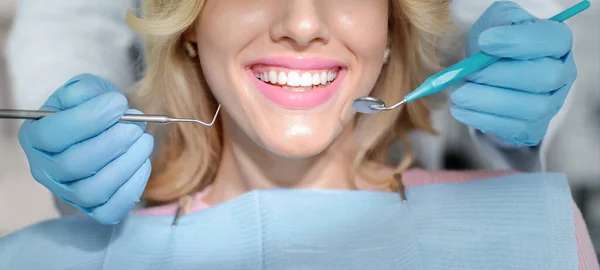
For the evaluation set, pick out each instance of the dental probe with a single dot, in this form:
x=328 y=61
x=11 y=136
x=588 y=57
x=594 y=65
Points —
x=452 y=74
x=158 y=119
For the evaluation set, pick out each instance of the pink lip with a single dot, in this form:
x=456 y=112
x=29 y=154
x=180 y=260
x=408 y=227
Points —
x=298 y=100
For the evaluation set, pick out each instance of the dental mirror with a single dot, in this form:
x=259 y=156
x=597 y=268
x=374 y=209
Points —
x=371 y=105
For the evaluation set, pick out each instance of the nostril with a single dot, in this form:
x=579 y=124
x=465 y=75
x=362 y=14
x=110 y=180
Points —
x=303 y=40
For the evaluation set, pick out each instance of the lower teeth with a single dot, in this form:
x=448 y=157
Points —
x=296 y=89
x=302 y=89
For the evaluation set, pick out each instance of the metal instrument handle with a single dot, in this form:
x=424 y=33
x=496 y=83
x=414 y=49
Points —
x=37 y=115
x=160 y=119
x=24 y=114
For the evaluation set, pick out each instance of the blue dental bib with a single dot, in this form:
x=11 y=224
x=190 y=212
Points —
x=522 y=221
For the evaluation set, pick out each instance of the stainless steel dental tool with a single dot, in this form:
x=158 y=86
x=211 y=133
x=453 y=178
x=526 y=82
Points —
x=158 y=119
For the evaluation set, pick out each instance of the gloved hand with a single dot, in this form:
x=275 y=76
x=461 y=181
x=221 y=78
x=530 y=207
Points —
x=516 y=97
x=83 y=155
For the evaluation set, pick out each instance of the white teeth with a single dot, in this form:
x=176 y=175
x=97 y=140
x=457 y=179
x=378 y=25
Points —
x=293 y=79
x=301 y=81
x=316 y=79
x=282 y=78
x=297 y=89
x=306 y=79
x=273 y=76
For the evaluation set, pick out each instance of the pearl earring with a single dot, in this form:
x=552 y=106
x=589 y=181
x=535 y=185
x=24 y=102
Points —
x=386 y=55
x=190 y=49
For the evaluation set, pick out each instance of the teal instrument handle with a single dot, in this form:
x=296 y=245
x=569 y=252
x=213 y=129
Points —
x=474 y=63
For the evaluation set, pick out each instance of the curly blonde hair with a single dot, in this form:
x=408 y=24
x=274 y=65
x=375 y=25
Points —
x=189 y=155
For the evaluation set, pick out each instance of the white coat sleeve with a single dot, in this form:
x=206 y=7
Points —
x=500 y=156
x=54 y=40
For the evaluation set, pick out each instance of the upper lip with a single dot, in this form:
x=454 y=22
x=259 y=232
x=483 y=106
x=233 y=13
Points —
x=298 y=62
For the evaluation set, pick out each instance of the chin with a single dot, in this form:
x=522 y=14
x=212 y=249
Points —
x=297 y=146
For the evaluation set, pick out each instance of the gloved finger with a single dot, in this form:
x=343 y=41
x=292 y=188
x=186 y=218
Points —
x=540 y=75
x=498 y=14
x=141 y=125
x=521 y=132
x=115 y=173
x=503 y=13
x=508 y=103
x=78 y=90
x=121 y=203
x=57 y=132
x=528 y=41
x=99 y=188
x=85 y=159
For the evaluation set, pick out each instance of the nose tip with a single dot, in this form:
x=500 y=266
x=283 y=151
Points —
x=301 y=24
x=305 y=31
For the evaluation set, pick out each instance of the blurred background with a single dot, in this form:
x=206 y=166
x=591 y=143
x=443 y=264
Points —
x=575 y=150
x=22 y=200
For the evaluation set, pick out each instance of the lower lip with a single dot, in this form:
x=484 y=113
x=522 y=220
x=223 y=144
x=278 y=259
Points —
x=298 y=100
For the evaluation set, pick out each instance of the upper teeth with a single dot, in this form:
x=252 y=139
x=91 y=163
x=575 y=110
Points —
x=295 y=79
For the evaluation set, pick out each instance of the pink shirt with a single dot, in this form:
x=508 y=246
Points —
x=585 y=249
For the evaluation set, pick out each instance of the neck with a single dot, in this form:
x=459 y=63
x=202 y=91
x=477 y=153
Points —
x=246 y=166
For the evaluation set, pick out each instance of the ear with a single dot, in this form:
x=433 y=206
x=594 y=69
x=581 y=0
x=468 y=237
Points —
x=190 y=34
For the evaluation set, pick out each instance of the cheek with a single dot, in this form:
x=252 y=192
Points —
x=364 y=32
x=369 y=49
x=363 y=29
x=219 y=56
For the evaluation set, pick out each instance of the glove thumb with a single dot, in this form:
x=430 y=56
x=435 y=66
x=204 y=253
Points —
x=498 y=14
x=78 y=90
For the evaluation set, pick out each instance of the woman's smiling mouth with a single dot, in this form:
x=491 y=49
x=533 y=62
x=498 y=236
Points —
x=297 y=82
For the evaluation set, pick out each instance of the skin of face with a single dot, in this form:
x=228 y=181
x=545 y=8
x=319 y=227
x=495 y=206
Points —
x=233 y=34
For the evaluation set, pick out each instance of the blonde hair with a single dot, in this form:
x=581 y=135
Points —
x=173 y=84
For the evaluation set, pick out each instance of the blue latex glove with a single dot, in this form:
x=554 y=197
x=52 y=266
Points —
x=83 y=155
x=516 y=97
